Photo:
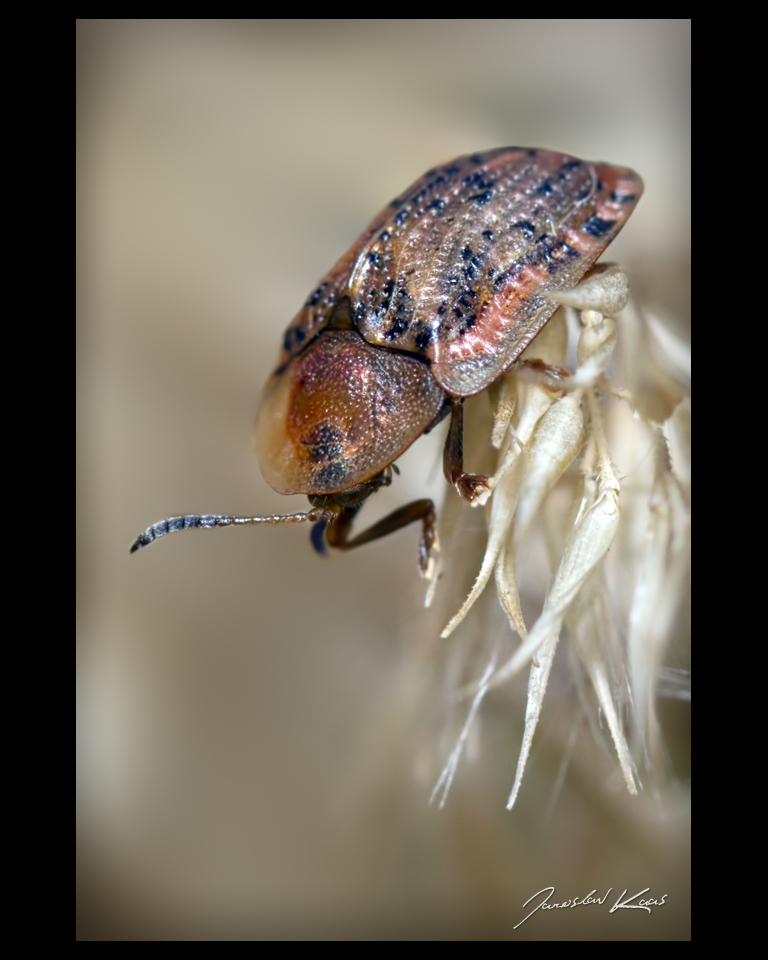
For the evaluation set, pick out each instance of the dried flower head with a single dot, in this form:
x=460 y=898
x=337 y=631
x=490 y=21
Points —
x=583 y=462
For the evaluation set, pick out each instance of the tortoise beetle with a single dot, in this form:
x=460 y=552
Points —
x=433 y=302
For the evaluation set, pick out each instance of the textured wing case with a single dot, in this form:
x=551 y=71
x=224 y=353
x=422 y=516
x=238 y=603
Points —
x=459 y=267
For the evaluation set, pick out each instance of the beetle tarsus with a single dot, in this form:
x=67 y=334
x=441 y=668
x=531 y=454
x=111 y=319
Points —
x=471 y=485
x=428 y=540
x=546 y=375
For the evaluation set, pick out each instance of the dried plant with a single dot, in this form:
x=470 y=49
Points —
x=585 y=463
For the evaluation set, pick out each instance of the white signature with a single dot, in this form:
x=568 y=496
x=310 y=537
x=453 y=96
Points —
x=621 y=903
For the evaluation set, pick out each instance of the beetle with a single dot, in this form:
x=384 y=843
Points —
x=436 y=299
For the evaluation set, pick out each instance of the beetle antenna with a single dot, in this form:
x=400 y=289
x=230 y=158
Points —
x=174 y=524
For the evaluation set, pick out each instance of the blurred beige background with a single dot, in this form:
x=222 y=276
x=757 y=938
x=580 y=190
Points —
x=259 y=729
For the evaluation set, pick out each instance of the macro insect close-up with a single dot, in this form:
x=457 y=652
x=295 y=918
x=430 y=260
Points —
x=433 y=303
x=448 y=379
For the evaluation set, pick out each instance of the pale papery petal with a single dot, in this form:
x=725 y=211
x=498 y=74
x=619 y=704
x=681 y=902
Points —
x=585 y=630
x=505 y=485
x=508 y=592
x=606 y=291
x=590 y=540
x=659 y=587
x=539 y=437
x=449 y=770
x=537 y=687
x=558 y=437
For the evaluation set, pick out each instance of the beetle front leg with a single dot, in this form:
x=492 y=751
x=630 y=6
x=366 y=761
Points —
x=337 y=531
x=469 y=485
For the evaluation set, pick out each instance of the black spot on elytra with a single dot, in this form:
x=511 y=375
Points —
x=482 y=198
x=546 y=189
x=436 y=205
x=488 y=234
x=555 y=254
x=622 y=197
x=315 y=298
x=475 y=177
x=559 y=255
x=375 y=258
x=384 y=236
x=597 y=227
x=527 y=227
x=570 y=165
x=389 y=288
x=423 y=339
x=466 y=253
x=502 y=278
x=418 y=197
x=401 y=217
x=397 y=329
x=477 y=157
x=441 y=309
x=451 y=170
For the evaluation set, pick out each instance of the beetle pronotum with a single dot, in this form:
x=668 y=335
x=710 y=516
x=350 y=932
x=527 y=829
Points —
x=433 y=303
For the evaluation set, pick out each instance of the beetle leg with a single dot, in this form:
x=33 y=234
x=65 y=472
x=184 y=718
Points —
x=546 y=375
x=337 y=530
x=469 y=485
